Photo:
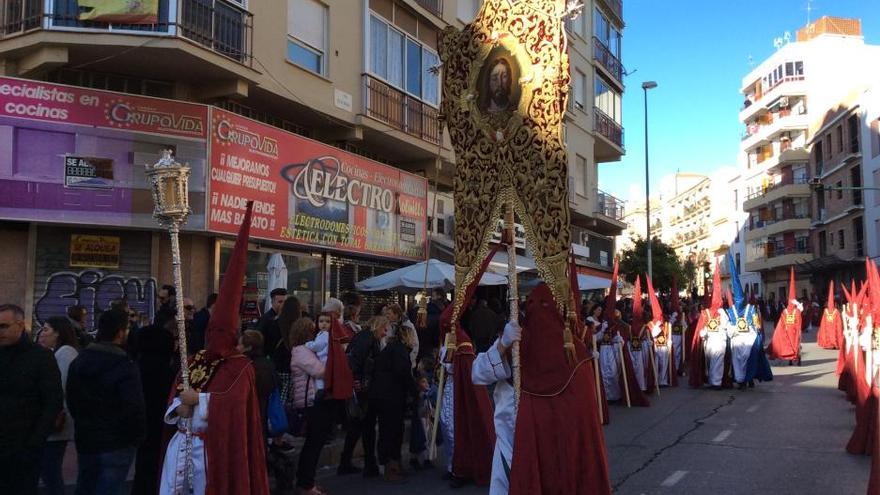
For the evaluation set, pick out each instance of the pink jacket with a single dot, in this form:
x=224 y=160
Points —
x=304 y=368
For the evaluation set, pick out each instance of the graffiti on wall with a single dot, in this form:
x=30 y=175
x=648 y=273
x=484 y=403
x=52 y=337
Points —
x=95 y=291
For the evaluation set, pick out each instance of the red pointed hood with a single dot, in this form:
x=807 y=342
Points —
x=830 y=303
x=715 y=303
x=656 y=310
x=611 y=298
x=222 y=332
x=676 y=302
x=792 y=290
x=637 y=316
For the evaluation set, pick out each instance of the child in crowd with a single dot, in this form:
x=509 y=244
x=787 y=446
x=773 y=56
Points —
x=321 y=345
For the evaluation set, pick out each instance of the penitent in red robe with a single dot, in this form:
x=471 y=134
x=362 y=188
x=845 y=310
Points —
x=559 y=444
x=830 y=327
x=786 y=343
x=236 y=458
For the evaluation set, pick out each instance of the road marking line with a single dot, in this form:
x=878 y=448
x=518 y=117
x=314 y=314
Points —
x=722 y=436
x=673 y=478
x=753 y=408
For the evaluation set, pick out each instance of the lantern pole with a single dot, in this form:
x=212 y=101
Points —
x=169 y=184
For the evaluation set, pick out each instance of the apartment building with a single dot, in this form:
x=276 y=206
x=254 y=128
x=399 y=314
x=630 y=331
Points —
x=784 y=95
x=869 y=117
x=694 y=217
x=247 y=93
x=837 y=237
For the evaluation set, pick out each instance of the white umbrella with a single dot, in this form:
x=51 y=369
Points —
x=439 y=275
x=277 y=277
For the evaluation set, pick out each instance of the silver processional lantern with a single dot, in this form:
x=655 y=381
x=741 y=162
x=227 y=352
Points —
x=169 y=184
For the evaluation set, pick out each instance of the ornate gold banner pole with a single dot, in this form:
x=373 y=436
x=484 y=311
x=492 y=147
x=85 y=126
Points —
x=169 y=183
x=512 y=293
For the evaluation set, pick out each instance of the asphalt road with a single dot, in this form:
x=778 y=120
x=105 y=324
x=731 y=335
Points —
x=783 y=437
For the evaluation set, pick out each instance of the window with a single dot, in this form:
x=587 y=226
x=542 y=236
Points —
x=876 y=174
x=306 y=34
x=823 y=248
x=820 y=158
x=789 y=69
x=831 y=239
x=606 y=33
x=736 y=261
x=839 y=185
x=840 y=239
x=581 y=167
x=580 y=89
x=441 y=226
x=467 y=9
x=839 y=136
x=737 y=232
x=798 y=68
x=859 y=232
x=607 y=100
x=852 y=130
x=403 y=62
x=875 y=138
x=828 y=148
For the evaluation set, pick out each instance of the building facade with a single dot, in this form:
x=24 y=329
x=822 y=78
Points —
x=870 y=144
x=263 y=100
x=784 y=95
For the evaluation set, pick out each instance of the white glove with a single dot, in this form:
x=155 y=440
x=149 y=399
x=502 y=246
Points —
x=512 y=333
x=703 y=334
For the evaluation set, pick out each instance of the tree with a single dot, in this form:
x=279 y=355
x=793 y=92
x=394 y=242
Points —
x=664 y=262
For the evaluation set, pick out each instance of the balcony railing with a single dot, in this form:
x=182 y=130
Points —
x=760 y=224
x=616 y=8
x=603 y=55
x=606 y=126
x=785 y=182
x=435 y=6
x=609 y=205
x=401 y=111
x=778 y=248
x=215 y=24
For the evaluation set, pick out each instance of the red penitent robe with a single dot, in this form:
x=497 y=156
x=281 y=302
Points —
x=786 y=343
x=338 y=380
x=234 y=444
x=559 y=443
x=830 y=326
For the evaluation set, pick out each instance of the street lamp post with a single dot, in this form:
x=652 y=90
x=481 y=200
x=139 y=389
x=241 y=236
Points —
x=646 y=86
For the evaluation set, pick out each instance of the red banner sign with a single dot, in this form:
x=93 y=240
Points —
x=36 y=100
x=308 y=193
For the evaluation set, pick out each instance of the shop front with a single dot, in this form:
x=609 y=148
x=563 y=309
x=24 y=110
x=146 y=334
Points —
x=72 y=179
x=333 y=218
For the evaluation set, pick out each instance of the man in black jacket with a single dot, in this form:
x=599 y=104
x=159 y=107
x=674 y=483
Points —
x=104 y=397
x=268 y=324
x=30 y=400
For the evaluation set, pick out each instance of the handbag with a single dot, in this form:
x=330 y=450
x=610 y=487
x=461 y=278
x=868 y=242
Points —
x=276 y=415
x=296 y=416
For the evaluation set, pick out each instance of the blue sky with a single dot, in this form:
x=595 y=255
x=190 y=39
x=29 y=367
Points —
x=698 y=52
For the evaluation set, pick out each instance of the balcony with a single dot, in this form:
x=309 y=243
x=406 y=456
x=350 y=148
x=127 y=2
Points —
x=776 y=255
x=609 y=213
x=609 y=145
x=788 y=85
x=400 y=111
x=788 y=223
x=608 y=61
x=792 y=188
x=614 y=7
x=219 y=26
x=435 y=6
